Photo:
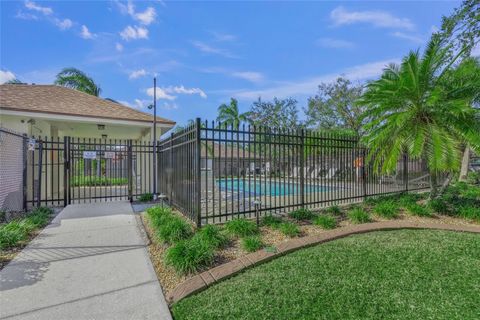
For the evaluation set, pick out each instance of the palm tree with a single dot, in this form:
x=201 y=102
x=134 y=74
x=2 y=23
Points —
x=78 y=80
x=229 y=115
x=422 y=107
x=14 y=81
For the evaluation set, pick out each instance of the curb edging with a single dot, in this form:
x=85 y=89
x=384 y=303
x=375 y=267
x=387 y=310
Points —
x=205 y=279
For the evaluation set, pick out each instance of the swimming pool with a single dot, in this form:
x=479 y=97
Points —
x=260 y=188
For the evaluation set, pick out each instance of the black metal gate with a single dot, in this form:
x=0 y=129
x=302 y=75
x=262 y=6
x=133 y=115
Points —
x=80 y=170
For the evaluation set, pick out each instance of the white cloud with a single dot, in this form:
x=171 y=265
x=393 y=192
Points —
x=409 y=37
x=309 y=86
x=6 y=76
x=334 y=43
x=342 y=16
x=119 y=47
x=137 y=103
x=169 y=106
x=135 y=32
x=251 y=76
x=33 y=6
x=146 y=17
x=25 y=16
x=161 y=94
x=86 y=34
x=202 y=46
x=166 y=93
x=183 y=90
x=219 y=36
x=63 y=24
x=137 y=74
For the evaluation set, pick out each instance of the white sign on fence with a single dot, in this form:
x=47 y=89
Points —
x=89 y=154
x=109 y=155
x=31 y=144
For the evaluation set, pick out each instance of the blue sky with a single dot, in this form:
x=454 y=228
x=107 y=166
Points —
x=203 y=53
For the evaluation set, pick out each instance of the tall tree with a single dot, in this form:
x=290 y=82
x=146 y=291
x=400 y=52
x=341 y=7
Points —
x=279 y=113
x=229 y=115
x=335 y=107
x=421 y=107
x=78 y=80
x=14 y=81
x=462 y=28
x=462 y=31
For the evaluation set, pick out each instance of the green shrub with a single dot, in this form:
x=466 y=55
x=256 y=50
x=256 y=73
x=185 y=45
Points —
x=440 y=206
x=409 y=198
x=472 y=193
x=145 y=197
x=38 y=218
x=386 y=209
x=212 y=235
x=12 y=233
x=174 y=229
x=473 y=177
x=252 y=243
x=373 y=200
x=358 y=215
x=78 y=181
x=289 y=229
x=335 y=210
x=158 y=215
x=241 y=227
x=470 y=213
x=325 y=221
x=301 y=214
x=271 y=221
x=419 y=210
x=19 y=230
x=189 y=256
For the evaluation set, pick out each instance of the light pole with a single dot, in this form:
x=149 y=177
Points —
x=154 y=106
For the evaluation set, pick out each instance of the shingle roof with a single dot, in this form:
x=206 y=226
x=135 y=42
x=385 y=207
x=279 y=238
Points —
x=64 y=101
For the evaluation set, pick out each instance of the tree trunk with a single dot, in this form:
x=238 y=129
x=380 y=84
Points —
x=465 y=164
x=445 y=184
x=433 y=185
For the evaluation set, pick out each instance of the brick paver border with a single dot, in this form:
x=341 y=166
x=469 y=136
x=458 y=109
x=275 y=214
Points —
x=209 y=277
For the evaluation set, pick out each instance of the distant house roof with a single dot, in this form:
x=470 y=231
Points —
x=53 y=99
x=217 y=150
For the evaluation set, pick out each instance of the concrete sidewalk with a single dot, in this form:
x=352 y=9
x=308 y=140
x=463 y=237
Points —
x=91 y=262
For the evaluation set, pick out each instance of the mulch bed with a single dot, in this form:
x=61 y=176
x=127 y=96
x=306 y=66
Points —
x=170 y=279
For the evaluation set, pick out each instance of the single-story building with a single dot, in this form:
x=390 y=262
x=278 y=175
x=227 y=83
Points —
x=55 y=111
x=98 y=152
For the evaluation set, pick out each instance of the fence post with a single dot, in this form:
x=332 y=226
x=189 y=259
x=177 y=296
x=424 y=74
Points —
x=24 y=173
x=39 y=179
x=170 y=171
x=66 y=170
x=405 y=171
x=302 y=168
x=198 y=172
x=364 y=174
x=129 y=169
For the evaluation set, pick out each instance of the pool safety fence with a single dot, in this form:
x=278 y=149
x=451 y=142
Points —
x=214 y=172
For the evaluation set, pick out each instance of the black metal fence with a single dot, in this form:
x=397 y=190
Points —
x=209 y=171
x=214 y=172
x=46 y=171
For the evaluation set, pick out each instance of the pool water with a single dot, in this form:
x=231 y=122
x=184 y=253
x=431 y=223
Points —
x=273 y=188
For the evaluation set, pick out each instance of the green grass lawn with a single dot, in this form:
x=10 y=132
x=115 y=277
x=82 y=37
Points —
x=403 y=274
